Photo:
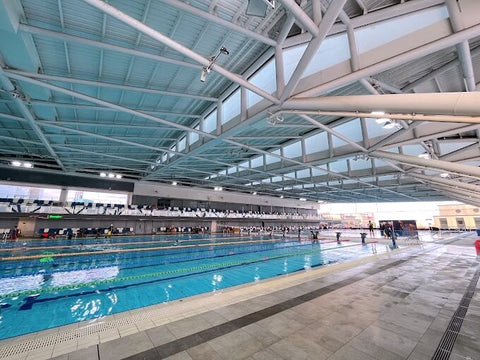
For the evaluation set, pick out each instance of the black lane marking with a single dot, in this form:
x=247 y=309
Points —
x=187 y=342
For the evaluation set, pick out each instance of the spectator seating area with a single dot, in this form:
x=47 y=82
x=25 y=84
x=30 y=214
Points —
x=81 y=232
x=79 y=208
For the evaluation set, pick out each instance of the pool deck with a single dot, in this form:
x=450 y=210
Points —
x=417 y=302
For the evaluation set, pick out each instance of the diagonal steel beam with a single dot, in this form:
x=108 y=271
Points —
x=9 y=87
x=460 y=169
x=102 y=45
x=107 y=104
x=107 y=85
x=328 y=20
x=138 y=25
x=302 y=18
x=212 y=18
x=432 y=47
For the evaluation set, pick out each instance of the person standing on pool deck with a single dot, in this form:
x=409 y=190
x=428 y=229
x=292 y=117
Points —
x=370 y=227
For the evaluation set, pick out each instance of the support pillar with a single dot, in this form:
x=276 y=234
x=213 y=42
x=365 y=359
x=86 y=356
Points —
x=26 y=225
x=213 y=226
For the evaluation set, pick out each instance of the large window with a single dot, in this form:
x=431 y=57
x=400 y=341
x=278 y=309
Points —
x=97 y=197
x=29 y=192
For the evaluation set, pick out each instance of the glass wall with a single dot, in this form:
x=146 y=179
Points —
x=29 y=192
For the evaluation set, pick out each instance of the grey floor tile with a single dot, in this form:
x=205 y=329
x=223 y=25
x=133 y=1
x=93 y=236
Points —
x=87 y=353
x=348 y=352
x=266 y=354
x=160 y=335
x=236 y=345
x=125 y=347
x=213 y=318
x=188 y=326
x=180 y=356
x=204 y=352
x=323 y=337
x=264 y=336
x=297 y=347
x=61 y=357
x=385 y=339
x=280 y=325
x=465 y=348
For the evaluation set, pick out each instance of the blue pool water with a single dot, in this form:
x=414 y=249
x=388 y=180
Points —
x=44 y=284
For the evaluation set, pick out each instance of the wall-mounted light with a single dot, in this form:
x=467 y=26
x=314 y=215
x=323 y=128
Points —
x=206 y=69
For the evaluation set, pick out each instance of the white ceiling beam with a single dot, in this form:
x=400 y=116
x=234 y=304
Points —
x=8 y=86
x=433 y=164
x=386 y=13
x=107 y=104
x=138 y=25
x=447 y=182
x=102 y=45
x=107 y=85
x=462 y=104
x=215 y=19
x=463 y=48
x=302 y=18
x=400 y=59
x=103 y=108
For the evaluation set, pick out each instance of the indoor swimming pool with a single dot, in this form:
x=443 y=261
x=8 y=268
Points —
x=54 y=282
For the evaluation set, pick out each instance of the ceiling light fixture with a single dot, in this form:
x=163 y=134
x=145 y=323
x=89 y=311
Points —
x=302 y=199
x=16 y=163
x=217 y=188
x=206 y=69
x=102 y=174
x=111 y=175
x=254 y=193
x=28 y=165
x=174 y=183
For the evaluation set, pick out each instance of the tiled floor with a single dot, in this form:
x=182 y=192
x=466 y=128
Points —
x=394 y=306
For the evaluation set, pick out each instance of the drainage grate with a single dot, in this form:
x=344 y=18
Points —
x=60 y=337
x=447 y=342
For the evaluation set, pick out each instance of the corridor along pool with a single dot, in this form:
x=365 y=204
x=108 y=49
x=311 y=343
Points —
x=49 y=283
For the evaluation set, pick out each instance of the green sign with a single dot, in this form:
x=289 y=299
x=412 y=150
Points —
x=55 y=217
